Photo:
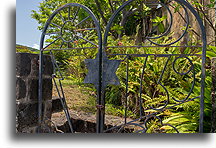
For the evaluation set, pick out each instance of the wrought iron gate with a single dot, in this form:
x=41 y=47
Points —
x=102 y=69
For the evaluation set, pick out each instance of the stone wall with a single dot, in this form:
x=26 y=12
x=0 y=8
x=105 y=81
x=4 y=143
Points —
x=213 y=95
x=27 y=66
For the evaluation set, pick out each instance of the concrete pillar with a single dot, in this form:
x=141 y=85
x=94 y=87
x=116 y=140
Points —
x=27 y=92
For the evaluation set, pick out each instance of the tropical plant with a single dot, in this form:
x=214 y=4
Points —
x=166 y=86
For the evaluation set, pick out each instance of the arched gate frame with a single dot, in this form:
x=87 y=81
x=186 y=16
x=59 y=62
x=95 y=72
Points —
x=101 y=70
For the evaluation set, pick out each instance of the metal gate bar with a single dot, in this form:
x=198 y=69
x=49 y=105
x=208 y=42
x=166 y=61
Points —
x=105 y=68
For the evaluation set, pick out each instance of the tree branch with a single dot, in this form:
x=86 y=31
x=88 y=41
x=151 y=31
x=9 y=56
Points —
x=100 y=11
x=206 y=18
x=111 y=6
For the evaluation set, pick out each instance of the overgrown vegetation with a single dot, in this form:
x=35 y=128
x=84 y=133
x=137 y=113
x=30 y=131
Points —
x=21 y=48
x=159 y=88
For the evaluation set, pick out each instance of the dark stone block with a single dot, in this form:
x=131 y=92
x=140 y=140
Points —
x=56 y=105
x=27 y=63
x=47 y=65
x=32 y=90
x=27 y=115
x=27 y=67
x=34 y=65
x=83 y=126
x=29 y=130
x=47 y=88
x=47 y=112
x=20 y=88
x=23 y=64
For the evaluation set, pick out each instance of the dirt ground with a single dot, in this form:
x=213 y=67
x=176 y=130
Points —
x=81 y=105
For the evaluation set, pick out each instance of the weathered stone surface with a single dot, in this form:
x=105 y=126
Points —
x=34 y=65
x=48 y=66
x=27 y=115
x=28 y=64
x=20 y=88
x=32 y=89
x=27 y=69
x=29 y=130
x=47 y=112
x=23 y=64
x=56 y=105
x=82 y=126
x=47 y=88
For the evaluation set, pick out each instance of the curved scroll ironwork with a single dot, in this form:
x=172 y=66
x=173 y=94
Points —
x=67 y=33
x=166 y=32
x=70 y=29
x=169 y=26
x=64 y=28
x=185 y=73
x=160 y=121
x=187 y=8
x=159 y=82
x=150 y=38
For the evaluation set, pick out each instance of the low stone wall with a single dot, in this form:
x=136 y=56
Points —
x=213 y=95
x=27 y=67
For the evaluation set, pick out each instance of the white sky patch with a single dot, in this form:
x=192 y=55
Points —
x=159 y=6
x=36 y=46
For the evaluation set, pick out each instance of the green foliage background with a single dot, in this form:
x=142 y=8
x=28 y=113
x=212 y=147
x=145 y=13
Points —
x=185 y=117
